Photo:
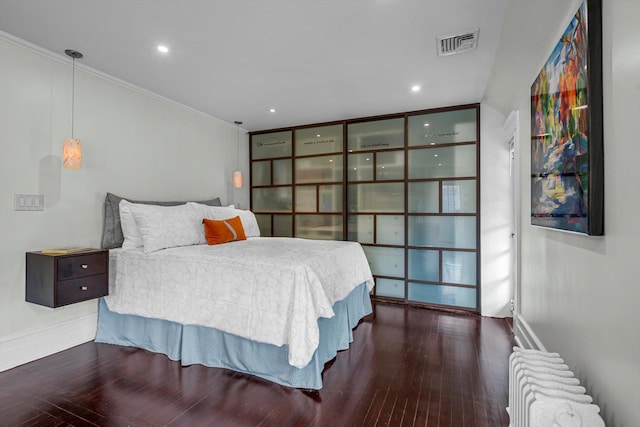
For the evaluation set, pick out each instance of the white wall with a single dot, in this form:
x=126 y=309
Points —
x=134 y=144
x=580 y=294
x=495 y=216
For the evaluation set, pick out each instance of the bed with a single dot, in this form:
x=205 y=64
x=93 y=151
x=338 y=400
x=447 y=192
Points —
x=277 y=308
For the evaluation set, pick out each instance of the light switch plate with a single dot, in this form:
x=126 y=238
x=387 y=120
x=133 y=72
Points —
x=28 y=202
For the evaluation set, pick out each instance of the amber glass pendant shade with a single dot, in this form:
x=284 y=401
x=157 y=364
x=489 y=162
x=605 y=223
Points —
x=72 y=153
x=237 y=179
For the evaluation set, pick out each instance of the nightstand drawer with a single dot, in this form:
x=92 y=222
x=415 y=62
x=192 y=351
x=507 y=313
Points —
x=72 y=267
x=76 y=290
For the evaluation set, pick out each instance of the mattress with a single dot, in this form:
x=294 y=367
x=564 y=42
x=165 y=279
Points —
x=266 y=290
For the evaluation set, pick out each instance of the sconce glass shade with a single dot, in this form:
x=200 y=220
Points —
x=72 y=153
x=237 y=179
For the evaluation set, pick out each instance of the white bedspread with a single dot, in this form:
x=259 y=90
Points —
x=271 y=290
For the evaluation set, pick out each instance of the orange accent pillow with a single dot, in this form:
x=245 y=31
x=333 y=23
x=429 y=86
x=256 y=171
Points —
x=223 y=231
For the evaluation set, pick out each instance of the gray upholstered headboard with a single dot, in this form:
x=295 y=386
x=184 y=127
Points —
x=112 y=230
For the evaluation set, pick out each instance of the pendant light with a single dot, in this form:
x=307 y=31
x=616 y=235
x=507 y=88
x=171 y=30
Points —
x=72 y=148
x=237 y=174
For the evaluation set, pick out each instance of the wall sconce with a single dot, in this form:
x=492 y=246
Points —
x=237 y=174
x=72 y=148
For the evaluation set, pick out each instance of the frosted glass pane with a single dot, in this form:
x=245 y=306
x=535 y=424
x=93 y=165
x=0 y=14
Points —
x=424 y=265
x=443 y=162
x=270 y=145
x=459 y=196
x=264 y=222
x=385 y=261
x=442 y=128
x=330 y=198
x=390 y=229
x=376 y=135
x=390 y=165
x=459 y=267
x=282 y=172
x=447 y=295
x=361 y=228
x=324 y=227
x=378 y=197
x=443 y=231
x=390 y=288
x=261 y=173
x=319 y=169
x=424 y=197
x=306 y=198
x=282 y=226
x=360 y=167
x=318 y=140
x=276 y=199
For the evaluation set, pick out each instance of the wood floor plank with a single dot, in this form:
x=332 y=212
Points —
x=406 y=367
x=40 y=412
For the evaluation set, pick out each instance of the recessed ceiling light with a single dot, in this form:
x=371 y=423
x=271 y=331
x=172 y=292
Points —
x=318 y=135
x=435 y=155
x=163 y=49
x=330 y=160
x=272 y=110
x=415 y=88
x=426 y=124
x=439 y=164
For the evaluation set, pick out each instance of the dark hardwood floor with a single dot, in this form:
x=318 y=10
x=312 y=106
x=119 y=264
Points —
x=406 y=367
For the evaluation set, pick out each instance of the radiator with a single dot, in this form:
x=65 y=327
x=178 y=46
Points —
x=543 y=392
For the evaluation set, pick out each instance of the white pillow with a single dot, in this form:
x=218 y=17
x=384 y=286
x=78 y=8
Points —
x=132 y=236
x=164 y=227
x=248 y=219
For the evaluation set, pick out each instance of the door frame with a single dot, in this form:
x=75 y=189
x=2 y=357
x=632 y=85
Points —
x=512 y=140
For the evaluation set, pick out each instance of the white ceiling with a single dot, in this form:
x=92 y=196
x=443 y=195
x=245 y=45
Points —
x=311 y=60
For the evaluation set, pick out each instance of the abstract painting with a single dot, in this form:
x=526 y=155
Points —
x=567 y=163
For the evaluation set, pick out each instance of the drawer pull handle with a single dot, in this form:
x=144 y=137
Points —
x=85 y=266
x=83 y=288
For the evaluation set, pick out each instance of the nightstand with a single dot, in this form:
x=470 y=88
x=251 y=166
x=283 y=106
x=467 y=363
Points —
x=54 y=280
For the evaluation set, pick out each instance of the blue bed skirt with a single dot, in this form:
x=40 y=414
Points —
x=210 y=347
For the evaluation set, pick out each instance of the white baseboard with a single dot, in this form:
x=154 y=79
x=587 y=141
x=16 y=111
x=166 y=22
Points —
x=24 y=347
x=525 y=336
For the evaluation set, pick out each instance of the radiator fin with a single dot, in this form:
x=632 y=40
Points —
x=543 y=392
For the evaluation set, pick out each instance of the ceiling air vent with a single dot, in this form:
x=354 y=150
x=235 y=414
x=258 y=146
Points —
x=449 y=45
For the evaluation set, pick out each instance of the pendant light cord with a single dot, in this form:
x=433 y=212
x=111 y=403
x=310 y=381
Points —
x=73 y=93
x=74 y=54
x=238 y=123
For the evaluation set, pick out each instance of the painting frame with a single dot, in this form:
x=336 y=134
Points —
x=567 y=136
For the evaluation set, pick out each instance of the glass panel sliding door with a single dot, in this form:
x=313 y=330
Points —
x=412 y=202
x=319 y=182
x=406 y=186
x=376 y=199
x=442 y=208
